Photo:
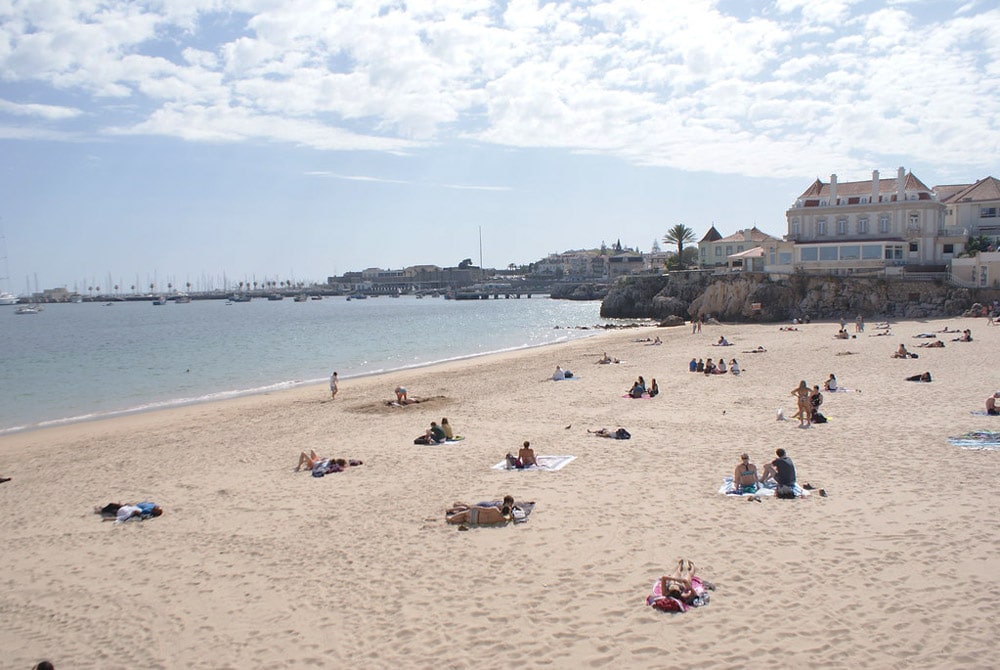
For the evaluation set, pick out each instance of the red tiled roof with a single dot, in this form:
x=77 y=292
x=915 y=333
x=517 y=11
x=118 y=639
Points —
x=983 y=190
x=846 y=189
x=755 y=236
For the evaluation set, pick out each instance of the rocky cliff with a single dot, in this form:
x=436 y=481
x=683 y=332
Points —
x=756 y=297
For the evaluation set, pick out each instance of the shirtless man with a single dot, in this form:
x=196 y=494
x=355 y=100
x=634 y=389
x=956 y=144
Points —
x=745 y=479
x=526 y=455
x=991 y=404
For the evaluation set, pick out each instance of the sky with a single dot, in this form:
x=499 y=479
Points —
x=191 y=140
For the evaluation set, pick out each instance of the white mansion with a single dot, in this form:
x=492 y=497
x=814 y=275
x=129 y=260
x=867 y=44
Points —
x=879 y=226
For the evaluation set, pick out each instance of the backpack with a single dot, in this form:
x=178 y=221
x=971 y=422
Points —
x=622 y=434
x=818 y=418
x=785 y=492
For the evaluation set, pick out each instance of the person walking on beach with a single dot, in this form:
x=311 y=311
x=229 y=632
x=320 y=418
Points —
x=333 y=386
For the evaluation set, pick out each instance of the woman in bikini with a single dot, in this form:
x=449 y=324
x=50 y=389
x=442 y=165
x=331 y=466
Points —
x=803 y=395
x=745 y=479
x=481 y=515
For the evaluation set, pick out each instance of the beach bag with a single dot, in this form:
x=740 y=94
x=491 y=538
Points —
x=622 y=434
x=423 y=439
x=818 y=418
x=567 y=374
x=785 y=492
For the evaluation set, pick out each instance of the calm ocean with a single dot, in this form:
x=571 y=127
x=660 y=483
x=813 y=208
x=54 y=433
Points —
x=78 y=361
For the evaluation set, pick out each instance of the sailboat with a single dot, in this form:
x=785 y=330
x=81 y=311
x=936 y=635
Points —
x=6 y=297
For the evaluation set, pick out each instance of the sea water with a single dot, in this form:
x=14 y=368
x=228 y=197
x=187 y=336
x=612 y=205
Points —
x=78 y=361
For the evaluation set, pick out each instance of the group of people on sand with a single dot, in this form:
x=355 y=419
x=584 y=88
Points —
x=640 y=390
x=711 y=368
x=436 y=434
x=561 y=374
x=808 y=401
x=748 y=480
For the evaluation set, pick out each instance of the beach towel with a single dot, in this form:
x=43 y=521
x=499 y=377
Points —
x=985 y=440
x=764 y=491
x=457 y=438
x=982 y=412
x=550 y=463
x=667 y=604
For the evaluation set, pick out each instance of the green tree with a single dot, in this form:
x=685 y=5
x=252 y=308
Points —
x=679 y=235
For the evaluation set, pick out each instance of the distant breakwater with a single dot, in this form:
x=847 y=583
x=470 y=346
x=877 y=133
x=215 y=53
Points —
x=759 y=297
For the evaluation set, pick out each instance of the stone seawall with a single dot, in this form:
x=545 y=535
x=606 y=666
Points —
x=757 y=297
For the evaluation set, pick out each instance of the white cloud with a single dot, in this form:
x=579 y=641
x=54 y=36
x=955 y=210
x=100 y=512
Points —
x=659 y=83
x=50 y=112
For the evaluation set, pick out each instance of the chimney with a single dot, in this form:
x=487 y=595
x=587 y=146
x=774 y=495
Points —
x=874 y=185
x=746 y=235
x=900 y=185
x=833 y=189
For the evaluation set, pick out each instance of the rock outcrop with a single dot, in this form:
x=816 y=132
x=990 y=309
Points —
x=756 y=297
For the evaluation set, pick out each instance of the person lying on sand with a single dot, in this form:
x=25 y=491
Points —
x=308 y=460
x=759 y=350
x=679 y=586
x=481 y=515
x=617 y=434
x=123 y=512
x=925 y=377
x=947 y=330
x=884 y=333
x=936 y=344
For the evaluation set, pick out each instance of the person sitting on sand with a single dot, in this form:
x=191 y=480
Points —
x=723 y=342
x=481 y=515
x=901 y=352
x=525 y=457
x=401 y=395
x=709 y=367
x=936 y=344
x=435 y=434
x=781 y=470
x=745 y=478
x=734 y=367
x=966 y=336
x=831 y=383
x=721 y=369
x=693 y=365
x=449 y=434
x=701 y=366
x=925 y=377
x=605 y=359
x=991 y=404
x=654 y=390
x=842 y=335
x=802 y=395
x=559 y=374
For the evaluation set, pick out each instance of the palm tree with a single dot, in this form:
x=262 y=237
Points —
x=679 y=235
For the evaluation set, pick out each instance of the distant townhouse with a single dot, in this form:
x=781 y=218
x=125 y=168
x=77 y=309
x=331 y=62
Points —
x=975 y=209
x=743 y=250
x=878 y=225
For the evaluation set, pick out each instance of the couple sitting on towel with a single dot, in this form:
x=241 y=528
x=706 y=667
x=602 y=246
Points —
x=747 y=480
x=482 y=514
x=525 y=458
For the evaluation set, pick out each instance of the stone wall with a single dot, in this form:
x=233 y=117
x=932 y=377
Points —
x=736 y=297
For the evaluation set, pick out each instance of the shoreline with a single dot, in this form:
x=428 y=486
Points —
x=276 y=387
x=253 y=565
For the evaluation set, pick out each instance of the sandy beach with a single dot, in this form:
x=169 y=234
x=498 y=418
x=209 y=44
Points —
x=256 y=566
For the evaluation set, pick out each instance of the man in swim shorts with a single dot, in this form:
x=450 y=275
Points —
x=745 y=479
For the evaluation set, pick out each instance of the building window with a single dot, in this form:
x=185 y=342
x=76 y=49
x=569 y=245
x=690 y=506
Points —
x=729 y=249
x=739 y=248
x=841 y=226
x=862 y=226
x=850 y=252
x=914 y=221
x=828 y=253
x=988 y=213
x=821 y=227
x=914 y=247
x=893 y=252
x=883 y=224
x=871 y=252
x=718 y=251
x=948 y=249
x=809 y=253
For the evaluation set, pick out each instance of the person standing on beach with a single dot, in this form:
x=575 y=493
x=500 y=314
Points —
x=803 y=395
x=333 y=386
